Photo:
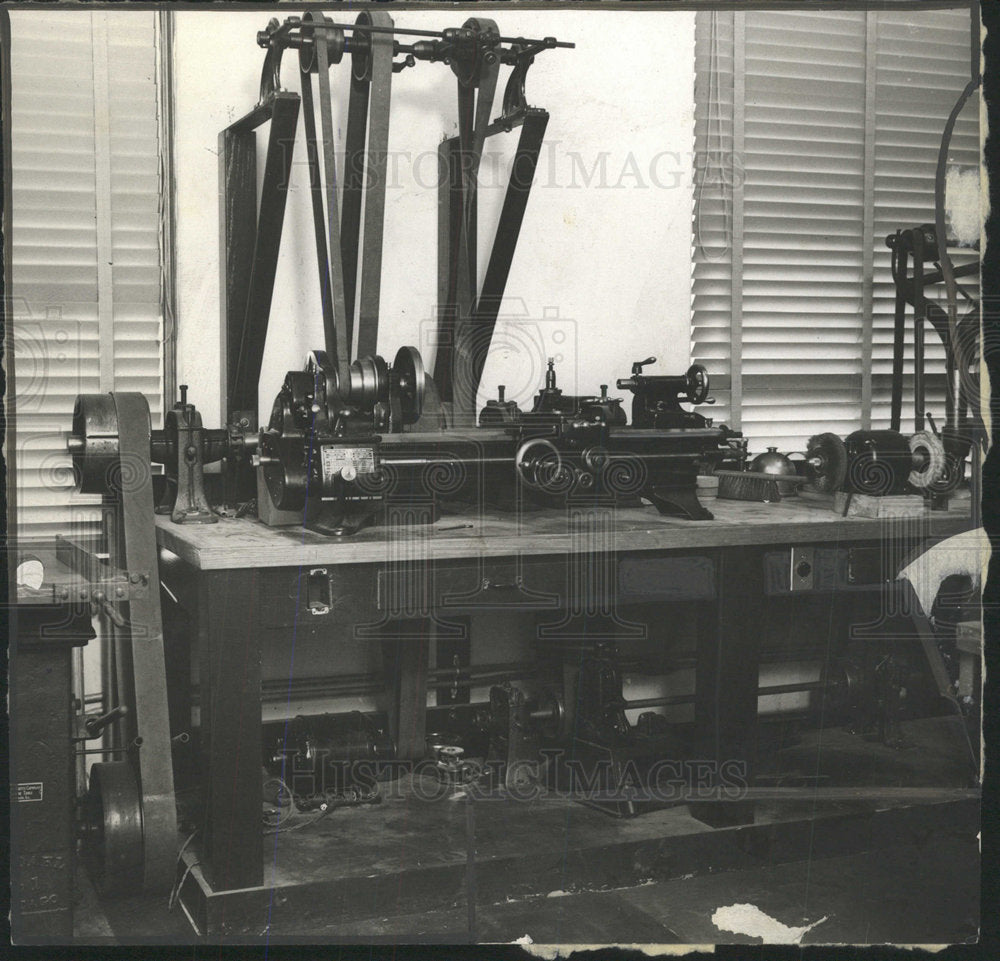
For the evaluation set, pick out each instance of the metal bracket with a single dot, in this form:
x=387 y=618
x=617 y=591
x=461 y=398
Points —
x=98 y=582
x=120 y=587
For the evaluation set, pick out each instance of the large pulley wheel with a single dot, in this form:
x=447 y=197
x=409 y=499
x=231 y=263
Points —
x=94 y=443
x=410 y=382
x=332 y=36
x=113 y=828
x=361 y=44
x=474 y=45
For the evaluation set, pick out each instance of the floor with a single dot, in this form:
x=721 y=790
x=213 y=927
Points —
x=559 y=872
x=920 y=892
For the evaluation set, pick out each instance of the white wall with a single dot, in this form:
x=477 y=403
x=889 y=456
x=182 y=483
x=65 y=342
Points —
x=602 y=270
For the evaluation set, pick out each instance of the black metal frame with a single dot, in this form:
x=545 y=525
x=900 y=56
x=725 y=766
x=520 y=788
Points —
x=251 y=237
x=919 y=245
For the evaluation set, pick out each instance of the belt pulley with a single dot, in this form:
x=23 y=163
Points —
x=130 y=816
x=338 y=234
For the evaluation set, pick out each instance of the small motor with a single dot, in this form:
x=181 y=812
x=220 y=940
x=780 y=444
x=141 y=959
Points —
x=323 y=752
x=876 y=462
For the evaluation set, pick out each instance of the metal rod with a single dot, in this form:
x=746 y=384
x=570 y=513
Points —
x=547 y=43
x=361 y=684
x=666 y=701
x=509 y=460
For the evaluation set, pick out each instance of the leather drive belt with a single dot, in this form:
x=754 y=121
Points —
x=142 y=646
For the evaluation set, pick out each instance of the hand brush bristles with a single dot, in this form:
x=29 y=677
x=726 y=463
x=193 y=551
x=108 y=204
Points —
x=748 y=486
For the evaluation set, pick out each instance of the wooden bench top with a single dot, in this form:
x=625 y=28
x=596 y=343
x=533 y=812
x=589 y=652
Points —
x=248 y=543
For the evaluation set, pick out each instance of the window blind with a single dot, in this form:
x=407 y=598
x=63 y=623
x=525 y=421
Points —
x=86 y=249
x=816 y=134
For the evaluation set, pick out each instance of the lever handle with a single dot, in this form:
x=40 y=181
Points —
x=639 y=364
x=94 y=725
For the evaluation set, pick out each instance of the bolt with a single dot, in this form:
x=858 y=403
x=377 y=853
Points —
x=134 y=578
x=119 y=592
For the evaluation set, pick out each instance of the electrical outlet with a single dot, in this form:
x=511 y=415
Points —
x=803 y=569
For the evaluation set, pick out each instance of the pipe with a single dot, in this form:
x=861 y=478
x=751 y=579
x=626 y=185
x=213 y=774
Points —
x=674 y=699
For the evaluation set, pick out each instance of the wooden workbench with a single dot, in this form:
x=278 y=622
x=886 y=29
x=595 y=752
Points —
x=241 y=584
x=237 y=544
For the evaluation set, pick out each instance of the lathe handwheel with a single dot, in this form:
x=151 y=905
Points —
x=537 y=461
x=113 y=828
x=697 y=384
